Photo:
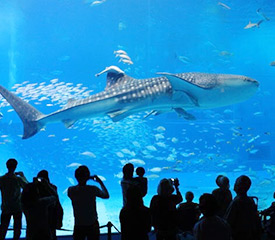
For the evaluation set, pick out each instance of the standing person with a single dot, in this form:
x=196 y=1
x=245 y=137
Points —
x=55 y=211
x=242 y=214
x=11 y=184
x=163 y=209
x=83 y=198
x=135 y=218
x=127 y=180
x=36 y=209
x=211 y=226
x=142 y=181
x=222 y=194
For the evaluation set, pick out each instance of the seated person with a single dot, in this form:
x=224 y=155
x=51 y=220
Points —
x=188 y=213
x=211 y=226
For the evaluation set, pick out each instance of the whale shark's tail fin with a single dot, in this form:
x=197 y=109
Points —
x=25 y=111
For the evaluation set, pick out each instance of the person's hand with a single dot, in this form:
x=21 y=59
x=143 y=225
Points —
x=21 y=174
x=176 y=182
x=95 y=178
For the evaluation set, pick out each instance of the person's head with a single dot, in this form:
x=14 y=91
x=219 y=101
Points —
x=165 y=187
x=128 y=171
x=222 y=181
x=82 y=174
x=189 y=196
x=140 y=171
x=242 y=185
x=134 y=197
x=208 y=205
x=11 y=165
x=44 y=174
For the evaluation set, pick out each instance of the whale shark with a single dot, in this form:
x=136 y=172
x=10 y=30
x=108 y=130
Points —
x=125 y=95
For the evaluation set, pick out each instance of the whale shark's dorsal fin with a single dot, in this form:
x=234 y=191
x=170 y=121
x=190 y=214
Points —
x=115 y=76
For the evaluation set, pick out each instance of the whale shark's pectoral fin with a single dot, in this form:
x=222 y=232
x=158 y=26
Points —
x=68 y=123
x=182 y=113
x=117 y=115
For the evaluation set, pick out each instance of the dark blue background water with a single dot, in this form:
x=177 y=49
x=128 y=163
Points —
x=71 y=41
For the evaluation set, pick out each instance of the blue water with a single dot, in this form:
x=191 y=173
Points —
x=70 y=41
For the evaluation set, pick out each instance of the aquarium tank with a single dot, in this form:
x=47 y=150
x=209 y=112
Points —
x=51 y=50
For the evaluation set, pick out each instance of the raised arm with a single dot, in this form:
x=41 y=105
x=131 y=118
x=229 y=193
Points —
x=105 y=193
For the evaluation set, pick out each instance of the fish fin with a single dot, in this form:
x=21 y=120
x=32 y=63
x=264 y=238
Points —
x=182 y=113
x=117 y=115
x=154 y=113
x=68 y=122
x=115 y=77
x=28 y=114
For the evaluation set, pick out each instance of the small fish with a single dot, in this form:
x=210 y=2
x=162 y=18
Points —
x=261 y=14
x=120 y=52
x=136 y=144
x=73 y=165
x=155 y=169
x=224 y=5
x=161 y=129
x=70 y=180
x=124 y=56
x=272 y=64
x=183 y=59
x=151 y=148
x=97 y=2
x=137 y=161
x=253 y=139
x=89 y=154
x=126 y=61
x=119 y=154
x=253 y=25
x=153 y=176
x=225 y=53
x=65 y=139
x=1 y=115
x=174 y=140
x=253 y=151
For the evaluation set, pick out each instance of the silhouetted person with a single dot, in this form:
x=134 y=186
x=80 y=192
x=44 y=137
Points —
x=211 y=226
x=83 y=198
x=269 y=225
x=188 y=213
x=222 y=194
x=56 y=211
x=36 y=209
x=11 y=184
x=164 y=211
x=142 y=181
x=135 y=218
x=242 y=213
x=127 y=180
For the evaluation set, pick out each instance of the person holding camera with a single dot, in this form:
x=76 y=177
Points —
x=36 y=208
x=163 y=209
x=83 y=199
x=11 y=185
